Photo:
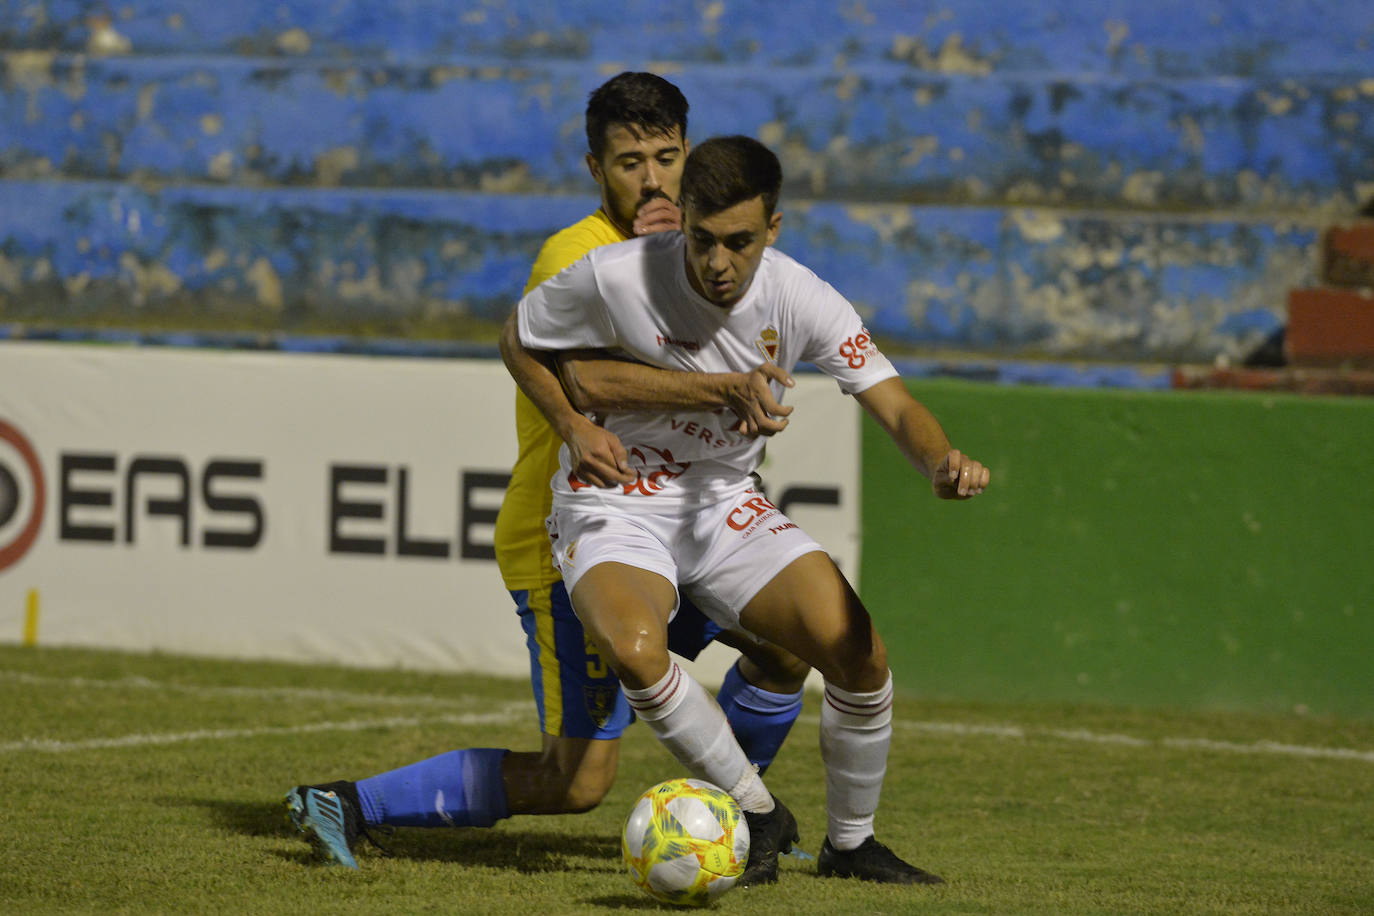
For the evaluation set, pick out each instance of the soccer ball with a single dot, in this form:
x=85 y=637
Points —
x=685 y=842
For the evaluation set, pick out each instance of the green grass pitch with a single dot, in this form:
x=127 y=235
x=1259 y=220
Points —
x=152 y=784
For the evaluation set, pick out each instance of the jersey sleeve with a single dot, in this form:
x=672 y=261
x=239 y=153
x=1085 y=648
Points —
x=559 y=251
x=566 y=312
x=839 y=344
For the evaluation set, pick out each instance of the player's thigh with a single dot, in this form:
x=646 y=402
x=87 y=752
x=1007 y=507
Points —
x=576 y=692
x=810 y=609
x=621 y=574
x=625 y=610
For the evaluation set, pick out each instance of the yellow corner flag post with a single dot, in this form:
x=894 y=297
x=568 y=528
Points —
x=31 y=619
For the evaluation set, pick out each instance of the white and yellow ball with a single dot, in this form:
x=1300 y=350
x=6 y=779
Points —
x=685 y=842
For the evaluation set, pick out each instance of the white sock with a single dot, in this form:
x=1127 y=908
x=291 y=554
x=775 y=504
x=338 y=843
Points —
x=856 y=731
x=689 y=723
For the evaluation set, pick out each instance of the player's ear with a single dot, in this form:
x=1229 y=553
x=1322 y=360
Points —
x=774 y=227
x=595 y=168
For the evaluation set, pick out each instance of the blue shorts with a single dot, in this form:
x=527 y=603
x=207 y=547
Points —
x=577 y=693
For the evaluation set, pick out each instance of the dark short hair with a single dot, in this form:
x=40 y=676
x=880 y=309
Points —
x=644 y=101
x=725 y=171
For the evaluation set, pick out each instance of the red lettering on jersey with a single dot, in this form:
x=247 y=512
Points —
x=748 y=512
x=647 y=481
x=647 y=484
x=697 y=431
x=857 y=349
x=691 y=346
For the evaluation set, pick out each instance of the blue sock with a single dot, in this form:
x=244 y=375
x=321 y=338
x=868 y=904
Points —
x=760 y=719
x=457 y=789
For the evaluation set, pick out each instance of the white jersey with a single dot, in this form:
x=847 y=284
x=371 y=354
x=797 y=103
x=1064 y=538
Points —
x=634 y=297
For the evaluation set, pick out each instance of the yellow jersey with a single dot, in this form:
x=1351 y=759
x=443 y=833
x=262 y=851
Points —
x=522 y=544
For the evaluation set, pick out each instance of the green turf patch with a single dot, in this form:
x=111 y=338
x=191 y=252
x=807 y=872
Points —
x=158 y=790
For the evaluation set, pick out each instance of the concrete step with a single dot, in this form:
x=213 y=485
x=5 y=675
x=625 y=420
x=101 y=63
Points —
x=1348 y=254
x=1330 y=327
x=1010 y=281
x=877 y=133
x=1300 y=381
x=1171 y=38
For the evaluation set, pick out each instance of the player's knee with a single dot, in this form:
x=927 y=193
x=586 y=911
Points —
x=773 y=669
x=858 y=665
x=640 y=664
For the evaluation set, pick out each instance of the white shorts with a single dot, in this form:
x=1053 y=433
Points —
x=720 y=553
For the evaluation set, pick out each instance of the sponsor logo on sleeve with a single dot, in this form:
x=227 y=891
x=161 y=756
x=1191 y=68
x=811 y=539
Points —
x=857 y=349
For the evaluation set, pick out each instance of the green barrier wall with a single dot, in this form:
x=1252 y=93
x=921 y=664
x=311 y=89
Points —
x=1204 y=550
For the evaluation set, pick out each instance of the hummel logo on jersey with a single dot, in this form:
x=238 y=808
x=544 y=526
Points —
x=691 y=346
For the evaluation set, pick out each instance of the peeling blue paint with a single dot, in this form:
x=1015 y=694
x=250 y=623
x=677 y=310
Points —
x=1108 y=142
x=1125 y=180
x=1164 y=38
x=966 y=277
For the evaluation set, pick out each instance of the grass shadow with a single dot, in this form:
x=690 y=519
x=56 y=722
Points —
x=629 y=902
x=525 y=851
x=246 y=818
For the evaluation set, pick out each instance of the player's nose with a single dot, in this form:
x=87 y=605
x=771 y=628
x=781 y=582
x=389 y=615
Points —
x=718 y=261
x=653 y=177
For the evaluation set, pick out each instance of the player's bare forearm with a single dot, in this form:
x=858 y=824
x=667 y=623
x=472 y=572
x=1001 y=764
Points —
x=920 y=437
x=596 y=382
x=535 y=372
x=596 y=455
x=952 y=474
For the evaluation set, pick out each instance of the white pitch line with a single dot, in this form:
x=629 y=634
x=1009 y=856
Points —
x=1018 y=733
x=301 y=693
x=499 y=715
x=1271 y=748
x=510 y=710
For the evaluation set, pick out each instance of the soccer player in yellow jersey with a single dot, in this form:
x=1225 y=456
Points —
x=636 y=133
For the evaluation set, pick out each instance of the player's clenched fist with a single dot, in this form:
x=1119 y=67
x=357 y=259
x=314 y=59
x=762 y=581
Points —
x=959 y=477
x=597 y=457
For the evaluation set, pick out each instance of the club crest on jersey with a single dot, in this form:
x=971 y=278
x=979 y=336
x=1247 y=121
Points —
x=767 y=342
x=600 y=702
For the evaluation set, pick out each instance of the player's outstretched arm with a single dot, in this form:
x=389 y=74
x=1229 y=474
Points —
x=595 y=381
x=953 y=475
x=598 y=457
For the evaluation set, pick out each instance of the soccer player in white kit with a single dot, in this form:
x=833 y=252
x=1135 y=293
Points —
x=717 y=302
